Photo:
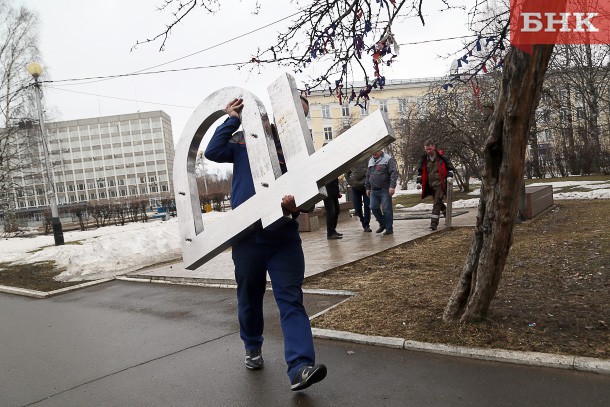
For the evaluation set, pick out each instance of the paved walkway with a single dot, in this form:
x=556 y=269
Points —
x=320 y=254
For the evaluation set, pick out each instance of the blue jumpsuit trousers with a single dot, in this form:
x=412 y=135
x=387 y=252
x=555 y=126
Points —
x=286 y=266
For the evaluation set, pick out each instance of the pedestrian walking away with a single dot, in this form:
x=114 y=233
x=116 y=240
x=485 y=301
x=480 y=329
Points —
x=332 y=209
x=380 y=184
x=278 y=252
x=356 y=178
x=434 y=171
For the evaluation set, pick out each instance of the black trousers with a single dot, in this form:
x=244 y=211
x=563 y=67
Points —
x=331 y=207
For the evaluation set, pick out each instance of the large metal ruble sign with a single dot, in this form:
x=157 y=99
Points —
x=308 y=170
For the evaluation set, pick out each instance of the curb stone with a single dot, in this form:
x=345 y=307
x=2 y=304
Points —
x=186 y=282
x=46 y=294
x=583 y=364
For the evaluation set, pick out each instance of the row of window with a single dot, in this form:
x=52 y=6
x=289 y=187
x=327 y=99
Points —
x=345 y=110
x=106 y=128
x=80 y=185
x=101 y=183
x=42 y=201
x=106 y=143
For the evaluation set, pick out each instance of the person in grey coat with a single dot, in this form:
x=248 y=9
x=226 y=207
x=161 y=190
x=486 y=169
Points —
x=381 y=178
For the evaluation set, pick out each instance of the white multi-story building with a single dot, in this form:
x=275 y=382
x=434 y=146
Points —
x=97 y=159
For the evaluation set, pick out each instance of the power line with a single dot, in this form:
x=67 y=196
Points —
x=222 y=43
x=118 y=98
x=142 y=73
x=438 y=40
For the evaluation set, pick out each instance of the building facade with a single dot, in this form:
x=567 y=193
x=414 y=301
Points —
x=97 y=159
x=398 y=98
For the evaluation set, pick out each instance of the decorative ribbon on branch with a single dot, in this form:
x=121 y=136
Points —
x=476 y=90
x=485 y=54
x=384 y=47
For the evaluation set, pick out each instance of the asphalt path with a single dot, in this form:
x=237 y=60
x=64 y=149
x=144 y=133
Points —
x=135 y=344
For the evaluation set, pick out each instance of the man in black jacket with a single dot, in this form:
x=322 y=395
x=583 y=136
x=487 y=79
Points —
x=434 y=170
x=356 y=177
x=331 y=209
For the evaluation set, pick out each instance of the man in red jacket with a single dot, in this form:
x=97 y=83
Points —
x=433 y=172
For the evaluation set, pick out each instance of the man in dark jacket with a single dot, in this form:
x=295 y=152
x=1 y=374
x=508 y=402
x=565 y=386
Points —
x=278 y=252
x=380 y=184
x=332 y=209
x=356 y=178
x=434 y=169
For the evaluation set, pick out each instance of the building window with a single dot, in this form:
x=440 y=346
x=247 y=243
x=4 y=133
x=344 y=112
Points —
x=326 y=111
x=328 y=133
x=102 y=195
x=164 y=188
x=92 y=197
x=402 y=105
x=80 y=187
x=383 y=105
x=345 y=110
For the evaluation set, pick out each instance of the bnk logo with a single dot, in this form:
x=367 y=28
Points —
x=559 y=22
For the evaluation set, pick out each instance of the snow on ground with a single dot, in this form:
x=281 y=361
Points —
x=116 y=250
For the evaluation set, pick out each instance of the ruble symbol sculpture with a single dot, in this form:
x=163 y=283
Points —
x=308 y=170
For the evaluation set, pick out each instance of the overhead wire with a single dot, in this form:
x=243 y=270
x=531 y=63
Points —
x=94 y=79
x=119 y=98
x=141 y=72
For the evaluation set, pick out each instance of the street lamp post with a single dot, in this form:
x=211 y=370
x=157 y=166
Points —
x=35 y=70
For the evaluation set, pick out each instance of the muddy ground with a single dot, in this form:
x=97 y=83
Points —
x=553 y=297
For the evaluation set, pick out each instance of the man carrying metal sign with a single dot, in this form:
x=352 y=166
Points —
x=277 y=251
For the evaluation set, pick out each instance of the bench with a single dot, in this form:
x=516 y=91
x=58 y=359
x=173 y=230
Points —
x=309 y=222
x=537 y=199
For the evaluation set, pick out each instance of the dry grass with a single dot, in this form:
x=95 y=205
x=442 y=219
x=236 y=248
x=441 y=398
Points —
x=553 y=296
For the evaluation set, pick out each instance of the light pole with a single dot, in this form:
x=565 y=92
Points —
x=35 y=70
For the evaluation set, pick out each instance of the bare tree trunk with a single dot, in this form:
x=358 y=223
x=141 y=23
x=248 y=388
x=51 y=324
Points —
x=504 y=158
x=535 y=151
x=572 y=163
x=592 y=100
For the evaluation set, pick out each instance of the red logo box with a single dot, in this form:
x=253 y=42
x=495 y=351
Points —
x=559 y=22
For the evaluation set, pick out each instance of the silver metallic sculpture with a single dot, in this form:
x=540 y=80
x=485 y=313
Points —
x=308 y=170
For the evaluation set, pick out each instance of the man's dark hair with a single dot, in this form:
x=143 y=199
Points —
x=429 y=143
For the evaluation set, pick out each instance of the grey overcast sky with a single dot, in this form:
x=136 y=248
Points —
x=85 y=38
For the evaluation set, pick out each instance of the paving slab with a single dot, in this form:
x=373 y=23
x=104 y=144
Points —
x=320 y=254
